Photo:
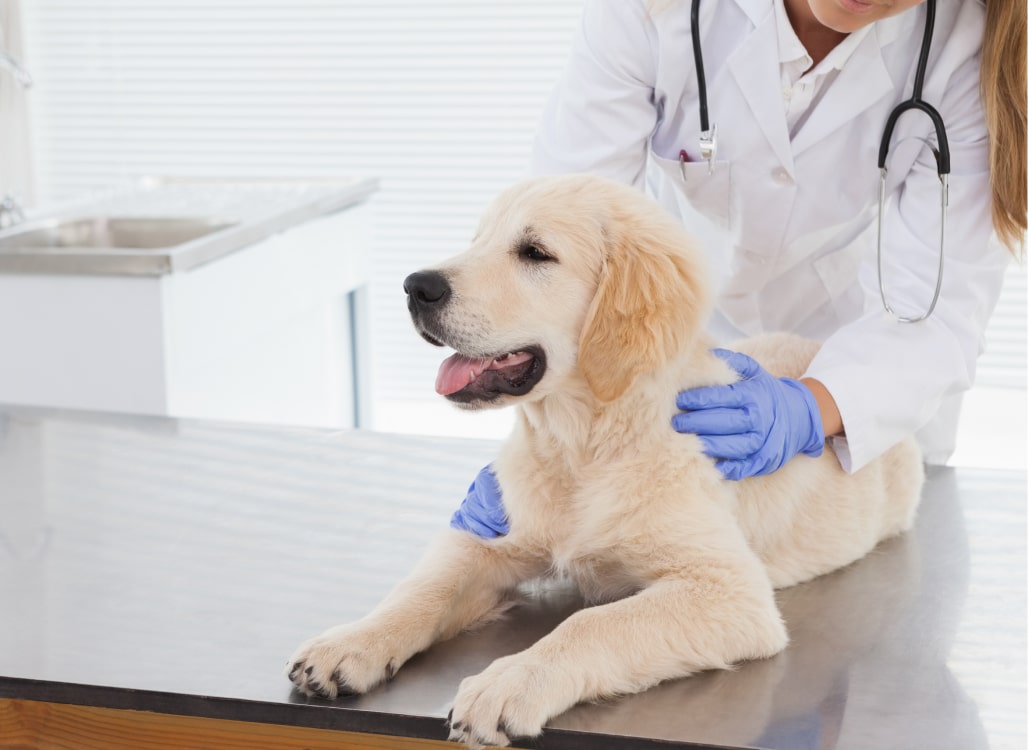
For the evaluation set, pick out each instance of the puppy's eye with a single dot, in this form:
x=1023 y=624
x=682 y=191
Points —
x=534 y=253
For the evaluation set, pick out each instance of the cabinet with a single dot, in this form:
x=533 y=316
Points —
x=272 y=332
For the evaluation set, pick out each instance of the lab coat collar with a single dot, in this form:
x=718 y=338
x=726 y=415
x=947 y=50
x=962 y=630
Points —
x=761 y=86
x=755 y=10
x=862 y=82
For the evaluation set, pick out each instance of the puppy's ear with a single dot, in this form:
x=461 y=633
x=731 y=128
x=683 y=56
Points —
x=651 y=301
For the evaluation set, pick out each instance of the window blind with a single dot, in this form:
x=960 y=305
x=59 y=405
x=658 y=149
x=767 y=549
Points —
x=1005 y=361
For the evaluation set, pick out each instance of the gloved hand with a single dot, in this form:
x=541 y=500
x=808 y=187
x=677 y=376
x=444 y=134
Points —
x=482 y=511
x=755 y=425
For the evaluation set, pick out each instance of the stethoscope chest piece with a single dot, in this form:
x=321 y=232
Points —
x=708 y=151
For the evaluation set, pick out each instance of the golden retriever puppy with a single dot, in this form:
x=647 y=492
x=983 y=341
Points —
x=584 y=304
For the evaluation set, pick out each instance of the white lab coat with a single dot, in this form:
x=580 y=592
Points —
x=789 y=223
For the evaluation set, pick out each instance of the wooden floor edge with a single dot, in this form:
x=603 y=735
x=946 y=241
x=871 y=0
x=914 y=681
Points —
x=39 y=725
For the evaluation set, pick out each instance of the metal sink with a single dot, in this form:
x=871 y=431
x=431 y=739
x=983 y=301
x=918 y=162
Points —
x=95 y=232
x=166 y=226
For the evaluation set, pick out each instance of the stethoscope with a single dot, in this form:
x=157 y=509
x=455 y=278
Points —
x=708 y=147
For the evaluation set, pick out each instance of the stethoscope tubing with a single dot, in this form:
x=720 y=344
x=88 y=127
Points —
x=917 y=103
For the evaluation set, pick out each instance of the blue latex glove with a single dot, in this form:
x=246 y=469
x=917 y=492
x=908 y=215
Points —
x=755 y=425
x=482 y=511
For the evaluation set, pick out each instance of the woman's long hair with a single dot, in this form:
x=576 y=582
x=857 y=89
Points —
x=1004 y=87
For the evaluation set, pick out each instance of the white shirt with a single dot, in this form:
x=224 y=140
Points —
x=788 y=216
x=802 y=81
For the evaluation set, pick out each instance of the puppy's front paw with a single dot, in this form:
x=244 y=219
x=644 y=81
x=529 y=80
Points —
x=512 y=698
x=345 y=660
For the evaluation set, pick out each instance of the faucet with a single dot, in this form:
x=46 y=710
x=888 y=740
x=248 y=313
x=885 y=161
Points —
x=10 y=213
x=17 y=70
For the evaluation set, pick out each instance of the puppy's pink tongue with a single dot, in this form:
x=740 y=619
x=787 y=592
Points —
x=458 y=372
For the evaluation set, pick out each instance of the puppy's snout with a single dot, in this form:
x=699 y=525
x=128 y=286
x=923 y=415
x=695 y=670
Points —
x=426 y=288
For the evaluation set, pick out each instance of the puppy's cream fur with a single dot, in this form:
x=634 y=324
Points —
x=598 y=487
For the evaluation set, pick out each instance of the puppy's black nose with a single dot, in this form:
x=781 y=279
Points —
x=427 y=288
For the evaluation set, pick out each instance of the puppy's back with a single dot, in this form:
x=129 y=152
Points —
x=811 y=517
x=784 y=355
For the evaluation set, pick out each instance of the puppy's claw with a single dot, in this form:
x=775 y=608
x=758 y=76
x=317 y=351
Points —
x=477 y=742
x=501 y=729
x=457 y=735
x=343 y=688
x=318 y=689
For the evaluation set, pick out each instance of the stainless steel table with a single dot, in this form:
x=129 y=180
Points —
x=171 y=567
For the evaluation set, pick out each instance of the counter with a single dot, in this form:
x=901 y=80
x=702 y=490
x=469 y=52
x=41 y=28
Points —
x=264 y=320
x=252 y=211
x=156 y=574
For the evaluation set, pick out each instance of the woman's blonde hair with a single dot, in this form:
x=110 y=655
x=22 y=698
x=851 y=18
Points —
x=1004 y=87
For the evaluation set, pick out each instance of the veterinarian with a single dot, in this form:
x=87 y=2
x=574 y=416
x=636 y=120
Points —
x=798 y=94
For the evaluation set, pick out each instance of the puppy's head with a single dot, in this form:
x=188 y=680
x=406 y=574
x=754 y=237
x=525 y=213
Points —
x=568 y=279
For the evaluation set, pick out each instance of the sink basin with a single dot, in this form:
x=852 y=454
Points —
x=161 y=227
x=138 y=233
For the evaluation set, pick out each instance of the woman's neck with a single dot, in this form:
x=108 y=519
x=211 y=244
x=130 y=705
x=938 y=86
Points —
x=816 y=38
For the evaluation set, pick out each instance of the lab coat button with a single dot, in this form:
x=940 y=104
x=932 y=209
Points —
x=781 y=176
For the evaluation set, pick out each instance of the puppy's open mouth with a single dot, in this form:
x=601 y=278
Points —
x=466 y=379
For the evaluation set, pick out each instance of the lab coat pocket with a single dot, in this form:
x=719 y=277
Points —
x=700 y=189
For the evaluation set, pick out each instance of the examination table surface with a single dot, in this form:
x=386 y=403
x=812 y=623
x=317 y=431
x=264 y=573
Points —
x=156 y=574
